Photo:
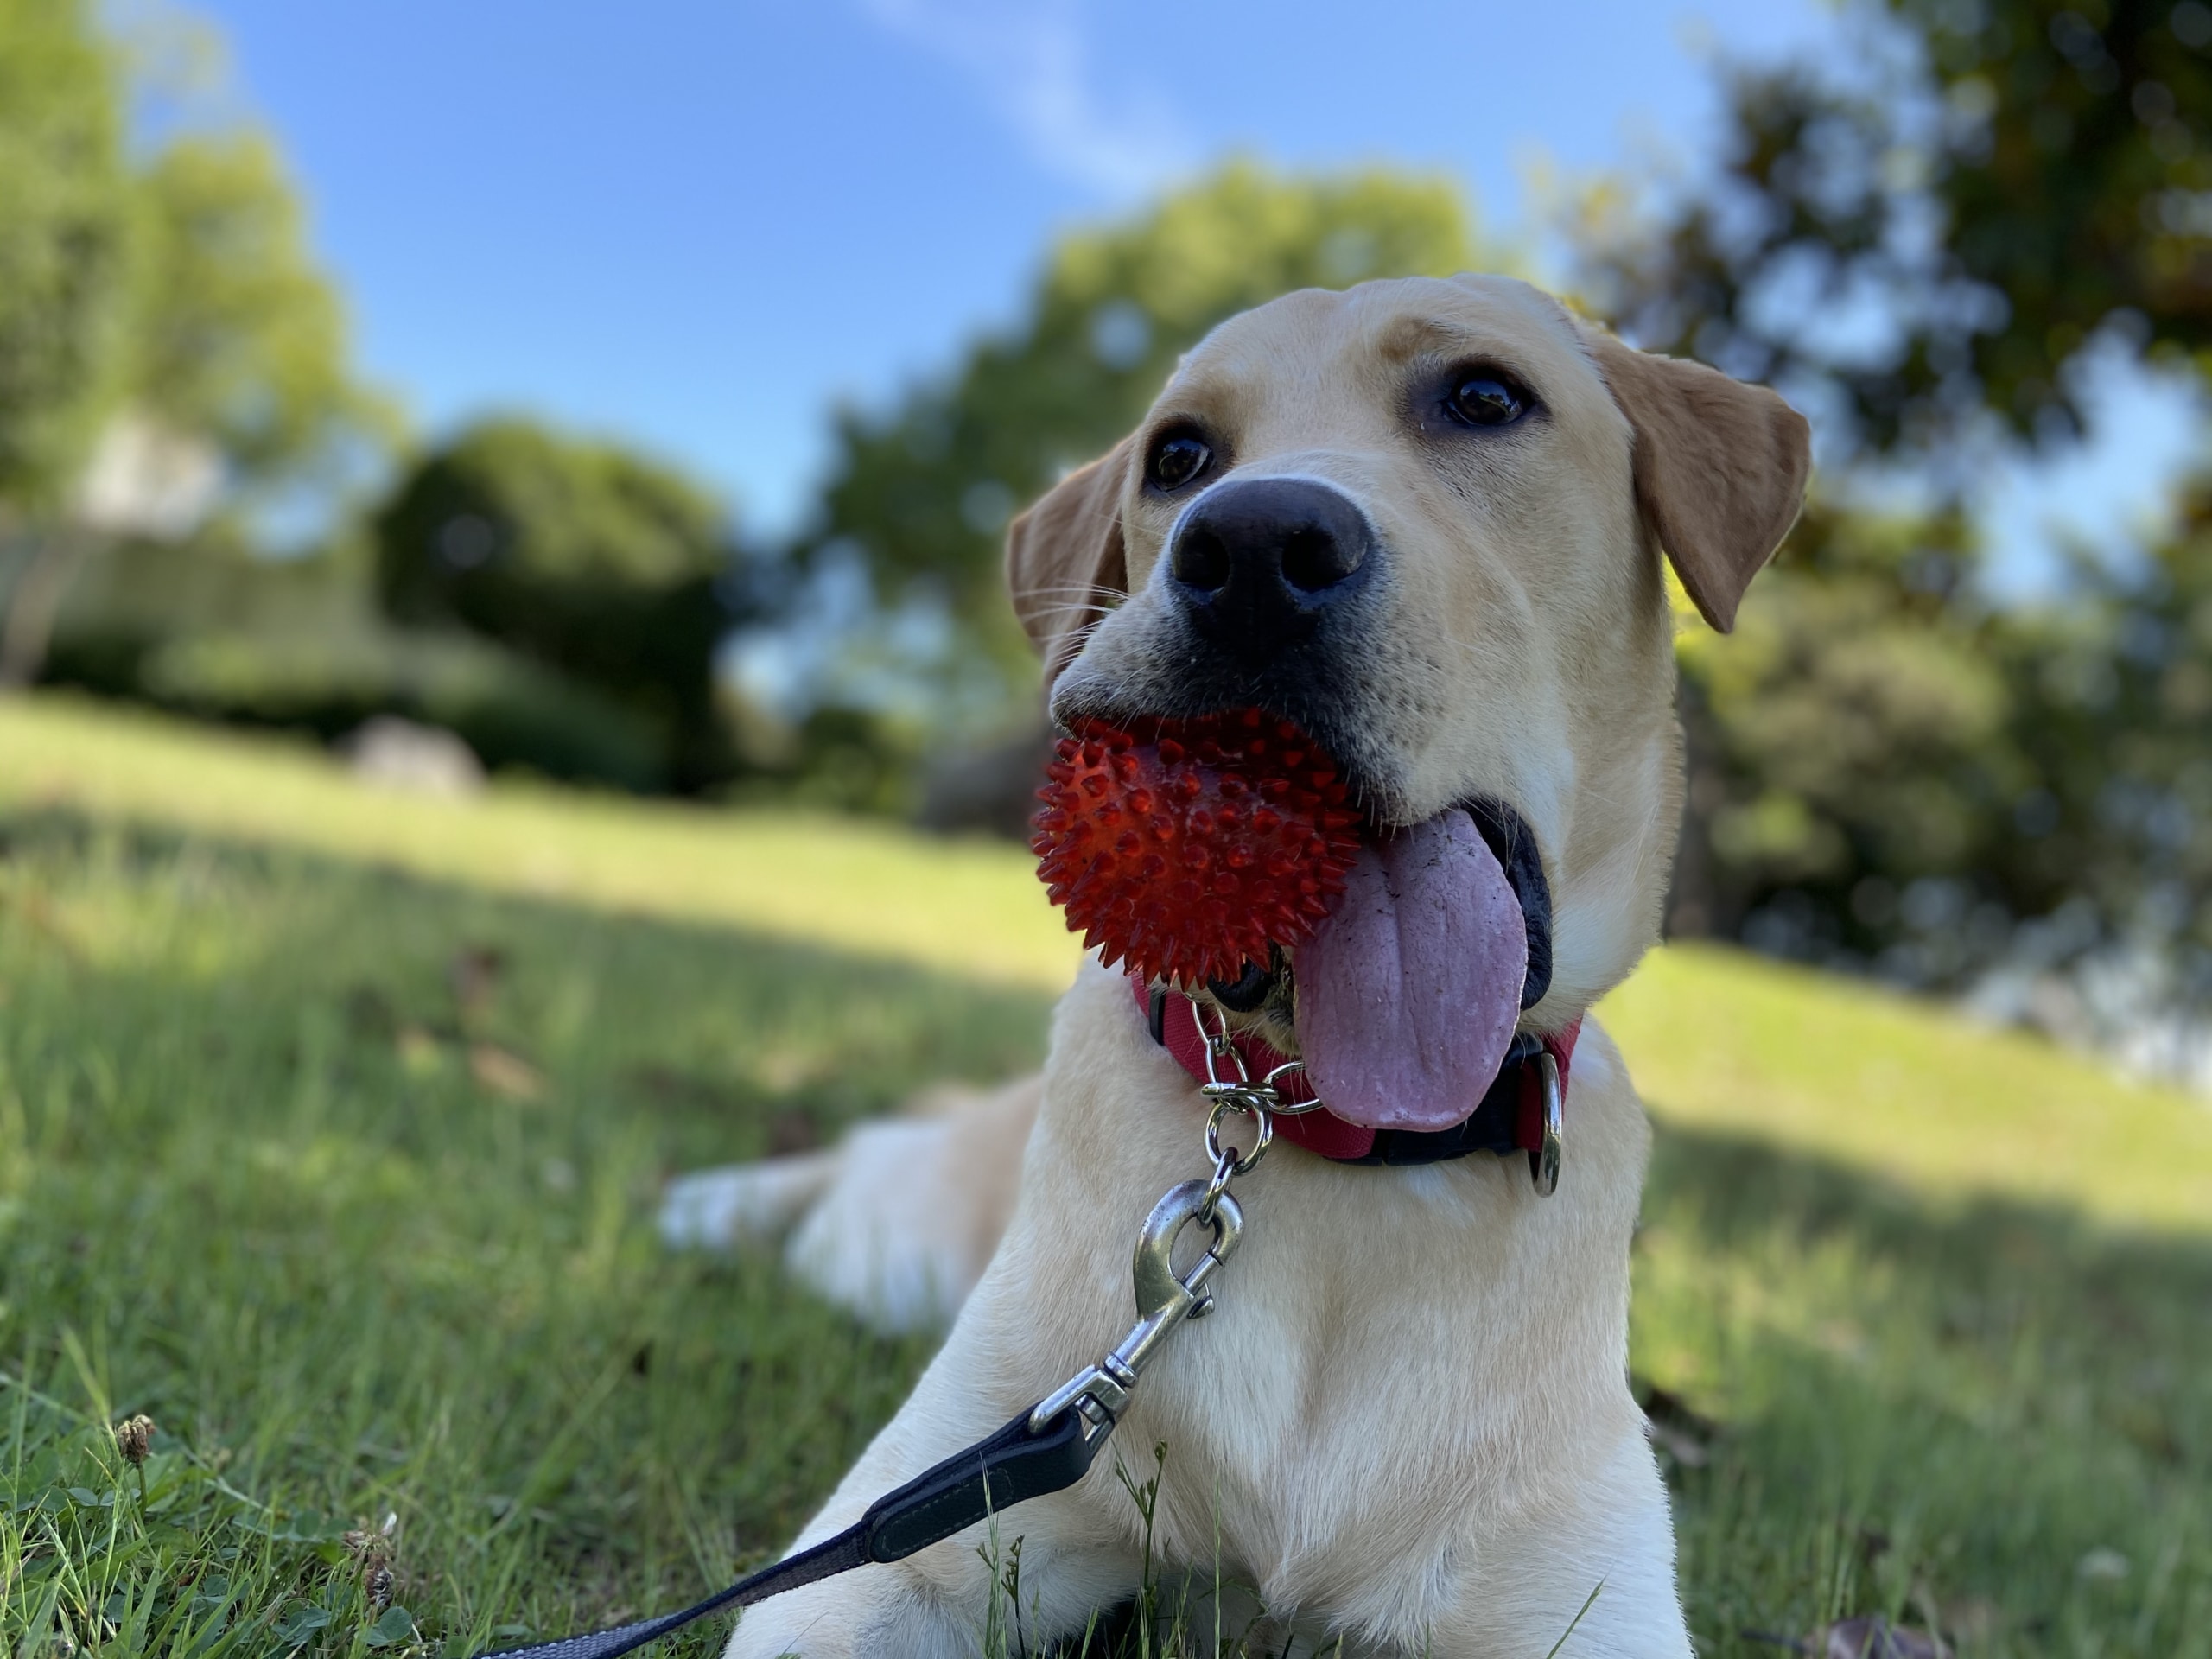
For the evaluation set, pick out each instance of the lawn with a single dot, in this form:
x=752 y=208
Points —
x=331 y=1123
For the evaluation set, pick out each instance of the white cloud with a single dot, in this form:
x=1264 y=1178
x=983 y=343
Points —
x=1030 y=62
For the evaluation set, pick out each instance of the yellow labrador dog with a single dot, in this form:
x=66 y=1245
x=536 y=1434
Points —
x=1423 y=521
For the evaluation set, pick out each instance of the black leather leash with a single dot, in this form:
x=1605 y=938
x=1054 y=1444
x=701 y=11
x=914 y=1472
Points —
x=1014 y=1465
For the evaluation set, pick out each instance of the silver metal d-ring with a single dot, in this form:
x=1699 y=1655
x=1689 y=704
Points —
x=1544 y=1159
x=1263 y=1118
x=1288 y=1108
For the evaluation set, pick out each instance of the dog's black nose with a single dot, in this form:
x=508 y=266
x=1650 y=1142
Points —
x=1258 y=561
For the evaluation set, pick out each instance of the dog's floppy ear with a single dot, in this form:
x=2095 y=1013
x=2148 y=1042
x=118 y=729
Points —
x=1720 y=468
x=1064 y=563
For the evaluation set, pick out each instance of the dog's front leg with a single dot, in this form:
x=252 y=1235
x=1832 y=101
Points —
x=1071 y=1558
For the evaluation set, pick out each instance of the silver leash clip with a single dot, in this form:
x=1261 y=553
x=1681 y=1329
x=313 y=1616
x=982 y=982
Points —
x=1165 y=1298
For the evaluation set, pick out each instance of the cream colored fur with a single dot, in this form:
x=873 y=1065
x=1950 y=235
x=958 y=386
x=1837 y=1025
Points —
x=1408 y=1425
x=895 y=1223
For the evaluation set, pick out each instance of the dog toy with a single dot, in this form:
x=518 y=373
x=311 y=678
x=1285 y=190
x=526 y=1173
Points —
x=1195 y=846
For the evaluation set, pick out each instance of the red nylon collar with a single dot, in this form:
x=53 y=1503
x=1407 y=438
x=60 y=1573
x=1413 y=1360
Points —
x=1323 y=1132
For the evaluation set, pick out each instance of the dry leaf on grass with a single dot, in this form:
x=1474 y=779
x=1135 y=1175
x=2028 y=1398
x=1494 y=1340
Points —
x=474 y=976
x=504 y=1074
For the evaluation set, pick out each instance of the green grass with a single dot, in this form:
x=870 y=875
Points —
x=330 y=1124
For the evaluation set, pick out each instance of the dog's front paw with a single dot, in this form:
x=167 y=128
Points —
x=741 y=1203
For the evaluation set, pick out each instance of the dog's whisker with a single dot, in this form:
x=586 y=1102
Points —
x=1092 y=591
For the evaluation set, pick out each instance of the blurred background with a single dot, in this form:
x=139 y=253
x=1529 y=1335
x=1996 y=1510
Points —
x=644 y=407
x=500 y=512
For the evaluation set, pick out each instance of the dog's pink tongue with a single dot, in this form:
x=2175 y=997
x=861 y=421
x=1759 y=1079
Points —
x=1408 y=989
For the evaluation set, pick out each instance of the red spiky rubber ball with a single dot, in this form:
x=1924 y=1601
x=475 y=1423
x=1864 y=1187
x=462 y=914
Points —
x=1189 y=847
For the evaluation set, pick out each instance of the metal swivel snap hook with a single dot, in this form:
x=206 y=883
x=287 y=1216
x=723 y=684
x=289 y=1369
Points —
x=1162 y=1293
x=1165 y=1298
x=1100 y=1393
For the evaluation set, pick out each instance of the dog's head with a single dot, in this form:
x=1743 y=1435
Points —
x=1424 y=520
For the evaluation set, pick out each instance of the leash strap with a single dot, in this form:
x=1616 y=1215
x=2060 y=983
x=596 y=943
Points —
x=1012 y=1466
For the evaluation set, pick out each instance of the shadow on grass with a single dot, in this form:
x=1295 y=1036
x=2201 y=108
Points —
x=705 y=1024
x=1989 y=1415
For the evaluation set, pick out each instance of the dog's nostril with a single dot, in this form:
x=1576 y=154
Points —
x=1313 y=558
x=1200 y=560
x=1258 y=563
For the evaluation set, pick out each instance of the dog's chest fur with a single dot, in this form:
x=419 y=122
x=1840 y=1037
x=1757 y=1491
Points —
x=1347 y=1393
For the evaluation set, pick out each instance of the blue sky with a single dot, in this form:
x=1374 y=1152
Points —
x=698 y=223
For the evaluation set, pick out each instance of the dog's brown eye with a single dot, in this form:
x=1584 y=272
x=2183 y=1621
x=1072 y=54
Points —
x=1486 y=400
x=1177 y=461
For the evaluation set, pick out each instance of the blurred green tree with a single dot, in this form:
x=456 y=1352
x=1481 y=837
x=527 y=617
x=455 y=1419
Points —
x=1933 y=235
x=65 y=237
x=923 y=490
x=238 y=338
x=174 y=367
x=2111 y=706
x=1851 y=737
x=585 y=558
x=169 y=349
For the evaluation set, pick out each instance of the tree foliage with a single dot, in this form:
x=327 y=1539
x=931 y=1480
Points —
x=1936 y=235
x=182 y=288
x=176 y=301
x=2112 y=708
x=65 y=244
x=2077 y=176
x=1883 y=771
x=583 y=556
x=1853 y=727
x=924 y=490
x=170 y=349
x=237 y=337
